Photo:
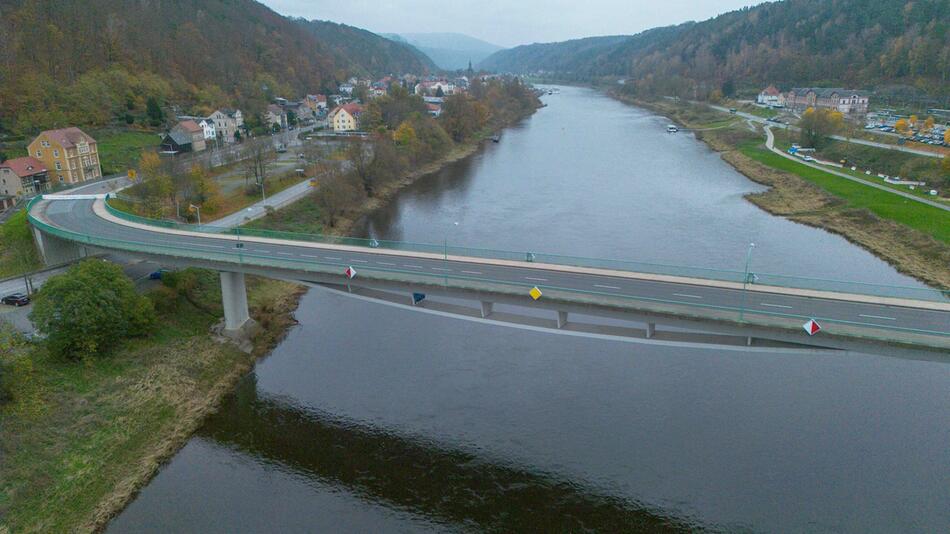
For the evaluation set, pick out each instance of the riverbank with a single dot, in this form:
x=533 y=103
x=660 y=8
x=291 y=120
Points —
x=79 y=439
x=802 y=198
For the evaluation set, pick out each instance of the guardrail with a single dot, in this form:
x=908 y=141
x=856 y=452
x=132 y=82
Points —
x=725 y=275
x=742 y=315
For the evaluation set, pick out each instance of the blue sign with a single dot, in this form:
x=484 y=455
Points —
x=418 y=297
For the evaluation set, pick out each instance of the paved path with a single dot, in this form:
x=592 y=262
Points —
x=259 y=208
x=770 y=143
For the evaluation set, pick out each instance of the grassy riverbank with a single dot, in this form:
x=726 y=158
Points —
x=77 y=440
x=910 y=236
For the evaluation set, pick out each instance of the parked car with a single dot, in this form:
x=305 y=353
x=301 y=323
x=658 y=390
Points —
x=157 y=275
x=16 y=299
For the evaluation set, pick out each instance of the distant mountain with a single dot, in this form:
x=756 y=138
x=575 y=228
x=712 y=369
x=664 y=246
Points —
x=855 y=43
x=364 y=52
x=95 y=62
x=573 y=57
x=450 y=51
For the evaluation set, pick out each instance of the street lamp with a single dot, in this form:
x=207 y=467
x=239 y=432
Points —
x=197 y=210
x=746 y=279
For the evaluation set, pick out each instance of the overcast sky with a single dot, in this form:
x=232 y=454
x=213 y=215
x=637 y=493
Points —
x=509 y=22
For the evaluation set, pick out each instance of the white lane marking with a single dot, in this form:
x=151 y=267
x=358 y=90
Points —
x=413 y=266
x=334 y=258
x=877 y=317
x=606 y=287
x=775 y=305
x=354 y=260
x=209 y=246
x=536 y=279
x=472 y=272
x=261 y=251
x=285 y=253
x=309 y=256
x=386 y=263
x=687 y=295
x=441 y=269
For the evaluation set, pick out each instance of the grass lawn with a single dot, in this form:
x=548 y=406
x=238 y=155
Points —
x=120 y=151
x=927 y=219
x=77 y=435
x=302 y=216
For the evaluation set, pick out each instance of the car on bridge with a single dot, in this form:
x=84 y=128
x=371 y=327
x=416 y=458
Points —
x=16 y=299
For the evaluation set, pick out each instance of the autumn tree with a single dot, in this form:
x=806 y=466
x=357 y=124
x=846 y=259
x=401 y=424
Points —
x=463 y=116
x=359 y=154
x=155 y=184
x=928 y=124
x=902 y=126
x=817 y=125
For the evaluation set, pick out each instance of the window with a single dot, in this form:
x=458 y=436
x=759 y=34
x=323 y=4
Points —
x=39 y=153
x=59 y=166
x=60 y=176
x=45 y=144
x=56 y=153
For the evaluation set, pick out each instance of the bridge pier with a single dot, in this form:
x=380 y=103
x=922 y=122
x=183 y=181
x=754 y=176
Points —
x=651 y=330
x=561 y=319
x=486 y=308
x=56 y=251
x=234 y=301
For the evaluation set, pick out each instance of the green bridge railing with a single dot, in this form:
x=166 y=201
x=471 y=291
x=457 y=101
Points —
x=725 y=275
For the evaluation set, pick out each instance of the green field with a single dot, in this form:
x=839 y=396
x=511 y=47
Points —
x=120 y=151
x=302 y=216
x=927 y=219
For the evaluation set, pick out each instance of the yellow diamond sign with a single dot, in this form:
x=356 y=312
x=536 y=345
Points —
x=535 y=293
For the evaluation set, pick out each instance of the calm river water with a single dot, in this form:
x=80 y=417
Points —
x=374 y=418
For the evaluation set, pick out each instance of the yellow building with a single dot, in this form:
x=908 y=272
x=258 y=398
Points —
x=346 y=118
x=70 y=155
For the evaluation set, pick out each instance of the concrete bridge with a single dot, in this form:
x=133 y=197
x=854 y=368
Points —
x=722 y=307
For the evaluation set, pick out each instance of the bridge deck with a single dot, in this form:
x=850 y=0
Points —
x=870 y=317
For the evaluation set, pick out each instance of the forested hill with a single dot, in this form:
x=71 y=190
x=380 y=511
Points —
x=577 y=57
x=858 y=43
x=87 y=62
x=364 y=52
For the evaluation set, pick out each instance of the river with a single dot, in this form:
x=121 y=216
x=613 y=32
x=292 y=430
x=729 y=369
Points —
x=371 y=417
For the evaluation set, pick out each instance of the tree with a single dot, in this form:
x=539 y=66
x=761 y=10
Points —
x=913 y=121
x=90 y=308
x=291 y=118
x=360 y=155
x=154 y=112
x=729 y=88
x=929 y=124
x=902 y=126
x=817 y=125
x=946 y=139
x=257 y=159
x=405 y=136
x=439 y=92
x=155 y=184
x=463 y=116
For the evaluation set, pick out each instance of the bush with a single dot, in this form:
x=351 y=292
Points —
x=90 y=308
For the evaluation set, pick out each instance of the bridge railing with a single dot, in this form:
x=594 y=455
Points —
x=662 y=269
x=734 y=314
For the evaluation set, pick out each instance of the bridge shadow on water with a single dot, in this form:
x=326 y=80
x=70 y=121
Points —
x=452 y=487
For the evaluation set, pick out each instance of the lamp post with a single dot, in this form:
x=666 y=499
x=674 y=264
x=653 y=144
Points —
x=746 y=279
x=197 y=210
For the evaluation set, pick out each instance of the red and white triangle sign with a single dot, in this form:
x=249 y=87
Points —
x=350 y=272
x=812 y=327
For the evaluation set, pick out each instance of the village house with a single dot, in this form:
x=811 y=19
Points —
x=317 y=103
x=771 y=96
x=207 y=125
x=346 y=89
x=227 y=124
x=346 y=118
x=848 y=101
x=275 y=116
x=435 y=88
x=186 y=136
x=434 y=109
x=21 y=177
x=70 y=155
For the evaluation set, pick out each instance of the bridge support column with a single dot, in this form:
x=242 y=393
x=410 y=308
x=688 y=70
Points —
x=561 y=319
x=651 y=330
x=748 y=341
x=234 y=300
x=56 y=251
x=486 y=308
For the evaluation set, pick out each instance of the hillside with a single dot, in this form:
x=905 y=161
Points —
x=363 y=52
x=859 y=43
x=574 y=57
x=92 y=62
x=450 y=51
